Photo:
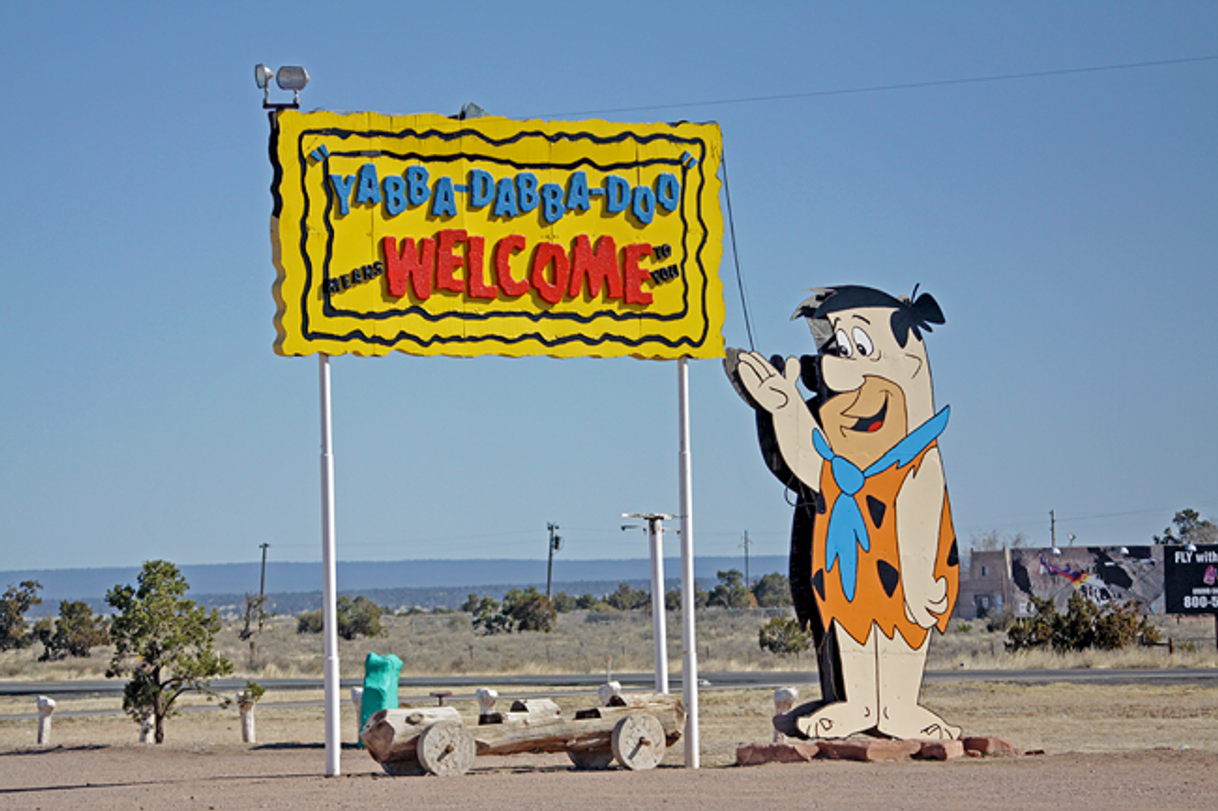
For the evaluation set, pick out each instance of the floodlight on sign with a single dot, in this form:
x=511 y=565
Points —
x=292 y=77
x=288 y=77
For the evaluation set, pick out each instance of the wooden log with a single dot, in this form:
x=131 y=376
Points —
x=392 y=735
x=535 y=707
x=590 y=730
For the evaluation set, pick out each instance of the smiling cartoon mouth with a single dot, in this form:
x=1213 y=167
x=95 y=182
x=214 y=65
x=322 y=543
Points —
x=873 y=423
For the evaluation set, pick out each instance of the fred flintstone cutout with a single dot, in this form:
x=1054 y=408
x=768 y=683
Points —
x=874 y=563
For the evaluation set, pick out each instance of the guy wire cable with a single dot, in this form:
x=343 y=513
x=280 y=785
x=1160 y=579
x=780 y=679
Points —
x=731 y=222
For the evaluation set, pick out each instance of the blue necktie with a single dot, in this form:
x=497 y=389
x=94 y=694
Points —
x=847 y=531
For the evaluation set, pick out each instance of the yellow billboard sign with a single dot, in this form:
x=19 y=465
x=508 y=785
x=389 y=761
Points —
x=435 y=236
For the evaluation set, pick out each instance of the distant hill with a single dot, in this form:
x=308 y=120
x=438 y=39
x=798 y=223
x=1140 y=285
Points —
x=426 y=583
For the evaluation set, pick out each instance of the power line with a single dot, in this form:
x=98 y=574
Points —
x=848 y=91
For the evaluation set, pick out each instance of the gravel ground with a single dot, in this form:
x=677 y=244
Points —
x=132 y=778
x=1113 y=747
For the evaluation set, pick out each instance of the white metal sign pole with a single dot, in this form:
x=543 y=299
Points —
x=655 y=532
x=329 y=582
x=688 y=637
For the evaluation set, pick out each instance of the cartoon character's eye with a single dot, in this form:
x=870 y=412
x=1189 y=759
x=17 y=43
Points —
x=844 y=347
x=863 y=341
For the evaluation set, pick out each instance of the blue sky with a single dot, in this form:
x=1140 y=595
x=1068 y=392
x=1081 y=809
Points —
x=1065 y=223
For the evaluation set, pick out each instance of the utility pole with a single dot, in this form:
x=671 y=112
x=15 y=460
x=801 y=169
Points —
x=262 y=588
x=655 y=535
x=745 y=544
x=555 y=545
x=1053 y=528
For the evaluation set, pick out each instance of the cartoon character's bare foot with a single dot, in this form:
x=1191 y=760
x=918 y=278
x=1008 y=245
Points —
x=917 y=722
x=839 y=720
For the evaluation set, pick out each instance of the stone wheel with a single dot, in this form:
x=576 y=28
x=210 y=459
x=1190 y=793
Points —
x=638 y=741
x=591 y=759
x=447 y=748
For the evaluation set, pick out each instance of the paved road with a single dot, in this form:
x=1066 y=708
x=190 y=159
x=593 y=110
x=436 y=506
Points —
x=415 y=688
x=722 y=680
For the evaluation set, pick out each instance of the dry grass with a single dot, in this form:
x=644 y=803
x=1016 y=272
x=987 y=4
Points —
x=435 y=645
x=1054 y=717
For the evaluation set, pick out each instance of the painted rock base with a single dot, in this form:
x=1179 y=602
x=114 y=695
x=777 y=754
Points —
x=871 y=750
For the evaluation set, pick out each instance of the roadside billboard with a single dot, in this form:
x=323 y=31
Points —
x=436 y=236
x=1191 y=579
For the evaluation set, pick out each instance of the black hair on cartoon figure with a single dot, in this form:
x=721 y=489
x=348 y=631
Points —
x=915 y=313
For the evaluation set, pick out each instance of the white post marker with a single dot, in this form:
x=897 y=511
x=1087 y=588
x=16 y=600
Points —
x=329 y=576
x=46 y=706
x=245 y=703
x=784 y=702
x=689 y=660
x=357 y=700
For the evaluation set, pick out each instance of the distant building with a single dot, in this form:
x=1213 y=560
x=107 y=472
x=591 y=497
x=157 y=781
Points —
x=997 y=579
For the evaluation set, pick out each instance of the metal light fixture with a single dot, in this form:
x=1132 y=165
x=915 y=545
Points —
x=288 y=77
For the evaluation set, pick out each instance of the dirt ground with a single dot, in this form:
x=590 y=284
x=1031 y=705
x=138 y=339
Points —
x=1114 y=747
x=130 y=778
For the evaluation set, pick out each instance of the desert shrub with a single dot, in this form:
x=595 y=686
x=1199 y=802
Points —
x=74 y=633
x=564 y=603
x=731 y=592
x=1084 y=625
x=309 y=622
x=488 y=618
x=252 y=693
x=672 y=598
x=1035 y=631
x=14 y=632
x=1122 y=624
x=783 y=637
x=628 y=599
x=964 y=627
x=586 y=602
x=1000 y=621
x=358 y=617
x=355 y=618
x=772 y=591
x=529 y=610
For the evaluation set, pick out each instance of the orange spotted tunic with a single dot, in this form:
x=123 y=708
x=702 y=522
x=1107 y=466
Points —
x=879 y=596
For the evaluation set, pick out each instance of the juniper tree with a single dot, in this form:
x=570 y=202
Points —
x=14 y=632
x=163 y=641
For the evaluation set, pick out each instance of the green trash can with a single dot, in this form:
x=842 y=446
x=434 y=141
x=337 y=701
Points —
x=380 y=686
